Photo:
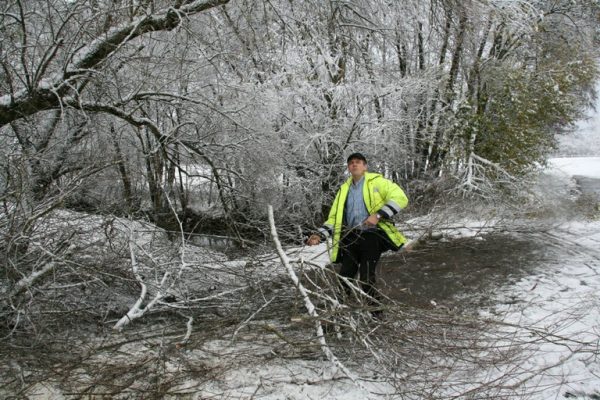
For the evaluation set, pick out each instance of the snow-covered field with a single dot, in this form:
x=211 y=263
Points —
x=567 y=167
x=563 y=301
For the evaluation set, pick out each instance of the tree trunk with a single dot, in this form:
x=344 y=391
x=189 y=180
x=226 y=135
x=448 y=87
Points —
x=125 y=179
x=439 y=146
x=420 y=46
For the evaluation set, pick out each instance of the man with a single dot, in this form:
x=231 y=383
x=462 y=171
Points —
x=359 y=223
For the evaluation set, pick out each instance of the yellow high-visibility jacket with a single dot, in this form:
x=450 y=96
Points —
x=381 y=196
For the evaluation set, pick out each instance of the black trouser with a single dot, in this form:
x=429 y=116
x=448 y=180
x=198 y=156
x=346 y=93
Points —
x=360 y=251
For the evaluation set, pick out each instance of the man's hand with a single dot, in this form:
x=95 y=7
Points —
x=313 y=240
x=372 y=220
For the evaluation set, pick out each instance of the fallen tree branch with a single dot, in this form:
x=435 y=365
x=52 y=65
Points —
x=135 y=311
x=188 y=333
x=310 y=307
x=27 y=281
x=164 y=286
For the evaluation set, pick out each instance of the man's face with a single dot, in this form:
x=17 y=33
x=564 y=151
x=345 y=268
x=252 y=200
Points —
x=357 y=167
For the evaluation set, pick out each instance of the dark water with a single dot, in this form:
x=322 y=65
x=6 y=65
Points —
x=587 y=185
x=215 y=242
x=459 y=274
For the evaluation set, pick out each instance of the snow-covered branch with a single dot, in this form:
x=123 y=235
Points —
x=310 y=307
x=474 y=173
x=48 y=95
x=27 y=281
x=167 y=282
x=136 y=310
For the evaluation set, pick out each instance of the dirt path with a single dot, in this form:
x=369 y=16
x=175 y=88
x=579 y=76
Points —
x=461 y=273
x=544 y=285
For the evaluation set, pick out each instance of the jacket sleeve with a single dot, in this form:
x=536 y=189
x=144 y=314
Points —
x=394 y=199
x=326 y=230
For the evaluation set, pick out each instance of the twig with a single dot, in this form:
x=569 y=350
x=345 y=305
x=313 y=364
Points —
x=250 y=318
x=188 y=333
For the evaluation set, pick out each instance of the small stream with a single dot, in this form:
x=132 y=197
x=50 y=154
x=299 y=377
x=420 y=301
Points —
x=588 y=186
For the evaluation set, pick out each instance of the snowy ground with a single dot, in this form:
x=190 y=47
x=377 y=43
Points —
x=564 y=298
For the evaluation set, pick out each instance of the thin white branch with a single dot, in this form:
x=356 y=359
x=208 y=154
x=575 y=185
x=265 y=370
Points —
x=250 y=318
x=310 y=307
x=491 y=164
x=188 y=332
x=163 y=287
x=135 y=311
x=27 y=281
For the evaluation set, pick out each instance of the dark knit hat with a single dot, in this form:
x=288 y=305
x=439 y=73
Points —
x=356 y=156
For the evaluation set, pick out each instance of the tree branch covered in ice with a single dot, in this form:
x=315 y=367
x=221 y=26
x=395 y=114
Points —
x=310 y=307
x=80 y=69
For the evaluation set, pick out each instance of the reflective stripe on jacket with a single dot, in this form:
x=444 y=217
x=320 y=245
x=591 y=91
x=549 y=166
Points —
x=381 y=196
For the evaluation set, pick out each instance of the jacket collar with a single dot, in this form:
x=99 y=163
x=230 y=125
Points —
x=369 y=176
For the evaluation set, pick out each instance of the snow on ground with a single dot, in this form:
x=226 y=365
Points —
x=555 y=312
x=562 y=298
x=574 y=166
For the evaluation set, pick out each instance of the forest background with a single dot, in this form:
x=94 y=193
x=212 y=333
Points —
x=196 y=115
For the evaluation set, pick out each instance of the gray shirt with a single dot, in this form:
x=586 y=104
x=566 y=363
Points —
x=355 y=211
